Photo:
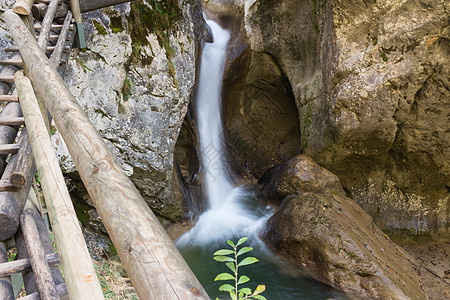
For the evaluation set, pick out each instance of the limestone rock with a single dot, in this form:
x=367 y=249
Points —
x=298 y=175
x=370 y=81
x=336 y=242
x=135 y=83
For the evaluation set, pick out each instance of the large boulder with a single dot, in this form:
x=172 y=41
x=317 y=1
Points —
x=370 y=81
x=298 y=175
x=334 y=241
x=331 y=238
x=135 y=80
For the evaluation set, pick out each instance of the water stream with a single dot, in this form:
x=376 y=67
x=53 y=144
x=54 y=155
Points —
x=233 y=212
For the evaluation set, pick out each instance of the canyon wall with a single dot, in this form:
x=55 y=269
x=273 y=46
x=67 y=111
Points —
x=370 y=84
x=135 y=80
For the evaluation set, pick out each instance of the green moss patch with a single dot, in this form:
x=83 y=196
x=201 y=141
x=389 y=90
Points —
x=116 y=24
x=152 y=16
x=99 y=26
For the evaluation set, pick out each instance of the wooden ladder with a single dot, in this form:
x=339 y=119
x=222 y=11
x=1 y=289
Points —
x=37 y=261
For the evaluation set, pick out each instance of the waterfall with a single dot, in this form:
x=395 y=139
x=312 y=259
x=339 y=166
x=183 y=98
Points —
x=227 y=214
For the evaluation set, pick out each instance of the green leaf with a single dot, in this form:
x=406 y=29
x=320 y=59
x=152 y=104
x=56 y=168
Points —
x=224 y=252
x=231 y=266
x=242 y=240
x=243 y=279
x=223 y=258
x=226 y=287
x=259 y=297
x=259 y=289
x=231 y=243
x=224 y=276
x=244 y=250
x=247 y=261
x=241 y=295
x=246 y=291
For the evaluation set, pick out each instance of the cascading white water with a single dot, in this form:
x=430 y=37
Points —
x=226 y=214
x=209 y=118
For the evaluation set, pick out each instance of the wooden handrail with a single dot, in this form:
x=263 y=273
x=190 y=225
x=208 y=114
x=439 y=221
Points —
x=154 y=264
x=81 y=280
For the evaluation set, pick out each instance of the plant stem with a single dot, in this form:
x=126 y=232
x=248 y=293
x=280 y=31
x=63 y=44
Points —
x=236 y=272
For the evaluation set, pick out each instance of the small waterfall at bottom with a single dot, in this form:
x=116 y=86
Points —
x=233 y=212
x=226 y=213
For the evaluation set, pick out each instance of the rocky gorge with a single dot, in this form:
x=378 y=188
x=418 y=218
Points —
x=360 y=87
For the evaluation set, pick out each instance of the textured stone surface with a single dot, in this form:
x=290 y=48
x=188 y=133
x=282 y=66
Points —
x=370 y=81
x=136 y=93
x=298 y=175
x=336 y=242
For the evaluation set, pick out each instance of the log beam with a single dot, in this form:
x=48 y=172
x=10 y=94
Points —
x=17 y=266
x=38 y=259
x=89 y=5
x=82 y=282
x=23 y=7
x=155 y=266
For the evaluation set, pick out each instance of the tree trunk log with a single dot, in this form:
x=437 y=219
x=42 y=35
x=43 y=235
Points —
x=39 y=10
x=12 y=203
x=76 y=262
x=89 y=5
x=23 y=7
x=156 y=268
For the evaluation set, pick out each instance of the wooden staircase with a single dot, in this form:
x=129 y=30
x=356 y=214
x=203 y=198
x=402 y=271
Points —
x=37 y=265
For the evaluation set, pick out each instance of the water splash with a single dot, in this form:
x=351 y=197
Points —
x=227 y=214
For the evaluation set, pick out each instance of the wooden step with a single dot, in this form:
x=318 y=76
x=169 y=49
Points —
x=12 y=121
x=38 y=27
x=9 y=98
x=49 y=49
x=17 y=266
x=6 y=78
x=9 y=148
x=12 y=62
x=54 y=37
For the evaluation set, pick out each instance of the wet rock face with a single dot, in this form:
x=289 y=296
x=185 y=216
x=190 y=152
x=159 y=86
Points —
x=370 y=81
x=260 y=117
x=336 y=242
x=259 y=113
x=331 y=238
x=135 y=85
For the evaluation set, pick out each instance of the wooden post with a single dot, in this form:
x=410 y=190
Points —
x=61 y=43
x=81 y=280
x=81 y=41
x=6 y=288
x=23 y=7
x=38 y=259
x=154 y=264
x=46 y=23
x=22 y=252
